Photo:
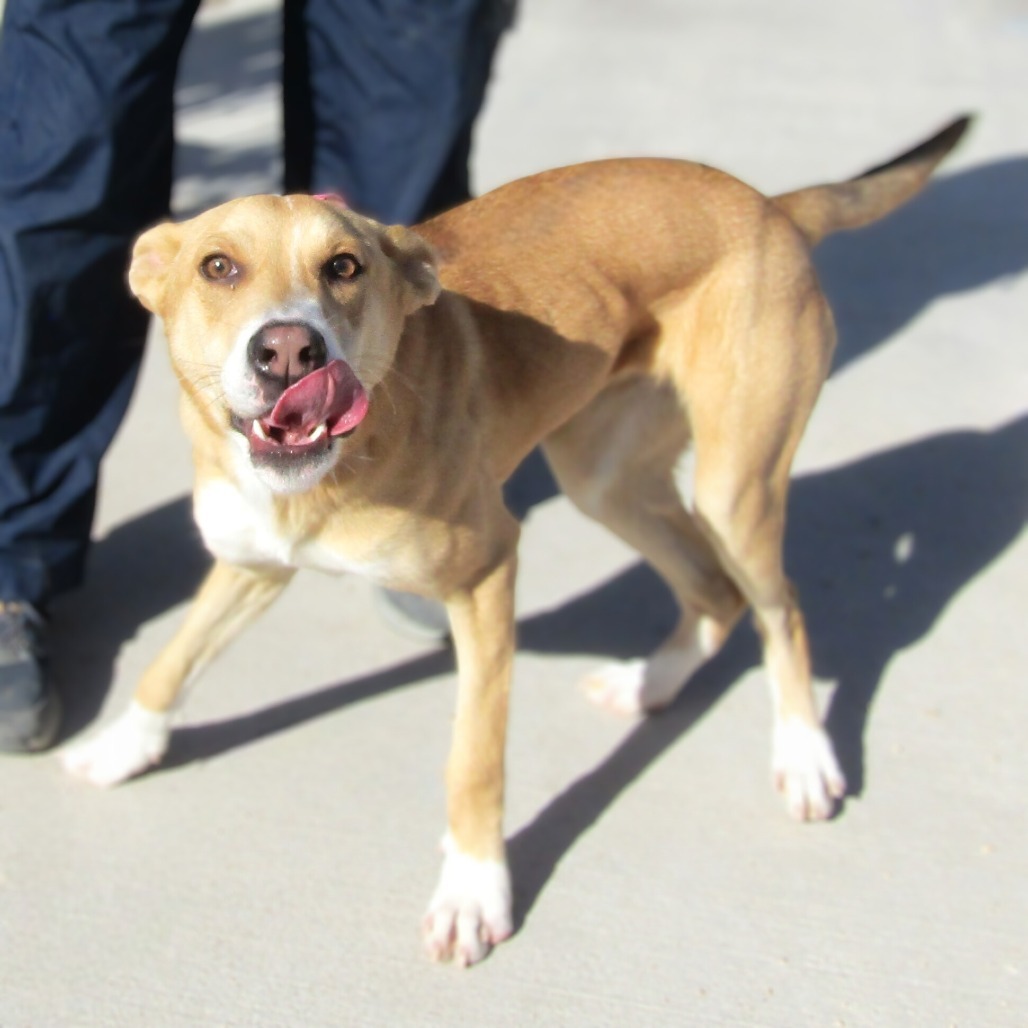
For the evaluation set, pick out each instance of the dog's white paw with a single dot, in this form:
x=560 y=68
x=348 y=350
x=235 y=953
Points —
x=805 y=771
x=470 y=911
x=134 y=742
x=619 y=686
x=633 y=687
x=646 y=686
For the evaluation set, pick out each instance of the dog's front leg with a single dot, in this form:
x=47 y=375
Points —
x=229 y=599
x=470 y=910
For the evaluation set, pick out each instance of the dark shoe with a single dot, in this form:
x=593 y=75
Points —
x=413 y=616
x=30 y=710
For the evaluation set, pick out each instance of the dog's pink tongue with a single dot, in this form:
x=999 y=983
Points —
x=331 y=395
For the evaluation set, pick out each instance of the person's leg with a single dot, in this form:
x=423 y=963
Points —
x=380 y=99
x=381 y=96
x=85 y=164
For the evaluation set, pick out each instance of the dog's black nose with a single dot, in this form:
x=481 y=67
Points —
x=286 y=351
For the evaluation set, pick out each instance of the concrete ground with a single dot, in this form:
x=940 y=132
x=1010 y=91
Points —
x=275 y=871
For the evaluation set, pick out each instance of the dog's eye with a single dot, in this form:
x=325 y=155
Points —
x=218 y=268
x=342 y=268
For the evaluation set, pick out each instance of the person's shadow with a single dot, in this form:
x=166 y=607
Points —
x=878 y=547
x=139 y=570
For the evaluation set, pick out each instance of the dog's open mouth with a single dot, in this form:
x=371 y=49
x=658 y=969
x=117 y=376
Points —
x=321 y=406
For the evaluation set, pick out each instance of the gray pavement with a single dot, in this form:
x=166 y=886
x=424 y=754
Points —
x=274 y=873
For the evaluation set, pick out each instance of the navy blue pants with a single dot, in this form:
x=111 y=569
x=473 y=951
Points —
x=379 y=98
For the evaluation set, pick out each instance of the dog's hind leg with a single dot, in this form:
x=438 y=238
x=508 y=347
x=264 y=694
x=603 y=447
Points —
x=743 y=392
x=617 y=461
x=229 y=599
x=746 y=518
x=749 y=396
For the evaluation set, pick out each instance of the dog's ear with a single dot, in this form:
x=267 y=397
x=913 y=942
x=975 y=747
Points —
x=152 y=257
x=417 y=263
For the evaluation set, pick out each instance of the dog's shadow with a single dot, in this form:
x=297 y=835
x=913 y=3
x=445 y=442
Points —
x=878 y=547
x=964 y=231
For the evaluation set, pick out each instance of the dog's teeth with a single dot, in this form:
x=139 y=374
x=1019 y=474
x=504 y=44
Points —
x=317 y=433
x=258 y=431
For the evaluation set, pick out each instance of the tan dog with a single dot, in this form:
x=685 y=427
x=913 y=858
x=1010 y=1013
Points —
x=355 y=406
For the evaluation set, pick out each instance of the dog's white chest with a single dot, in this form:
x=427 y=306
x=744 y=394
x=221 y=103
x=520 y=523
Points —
x=238 y=526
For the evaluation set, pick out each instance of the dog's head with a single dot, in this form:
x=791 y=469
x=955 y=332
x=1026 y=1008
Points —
x=283 y=314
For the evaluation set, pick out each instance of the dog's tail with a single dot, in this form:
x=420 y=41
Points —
x=818 y=211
